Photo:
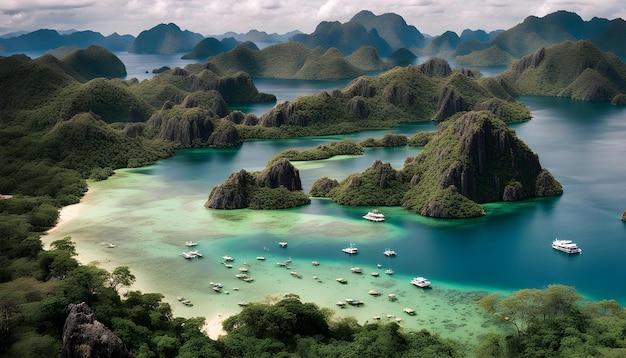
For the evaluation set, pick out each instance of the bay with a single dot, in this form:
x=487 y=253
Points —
x=150 y=212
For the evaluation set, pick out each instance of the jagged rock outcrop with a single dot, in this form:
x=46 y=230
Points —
x=280 y=173
x=85 y=337
x=529 y=61
x=232 y=193
x=449 y=102
x=225 y=135
x=277 y=187
x=187 y=129
x=436 y=67
x=398 y=95
x=547 y=185
x=357 y=107
x=284 y=113
x=361 y=87
x=476 y=159
x=238 y=117
x=322 y=187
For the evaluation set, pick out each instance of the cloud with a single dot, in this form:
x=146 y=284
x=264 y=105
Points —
x=211 y=17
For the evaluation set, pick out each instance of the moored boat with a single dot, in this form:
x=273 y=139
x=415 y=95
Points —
x=420 y=282
x=375 y=216
x=282 y=244
x=352 y=250
x=566 y=246
x=191 y=244
x=389 y=252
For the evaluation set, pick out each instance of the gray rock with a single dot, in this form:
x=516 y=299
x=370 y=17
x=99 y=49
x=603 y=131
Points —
x=84 y=336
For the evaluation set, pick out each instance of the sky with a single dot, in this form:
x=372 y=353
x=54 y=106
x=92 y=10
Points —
x=209 y=17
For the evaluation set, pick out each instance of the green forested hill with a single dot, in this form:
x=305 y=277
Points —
x=294 y=60
x=578 y=70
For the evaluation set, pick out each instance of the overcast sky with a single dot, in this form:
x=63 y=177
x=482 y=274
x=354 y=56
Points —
x=209 y=17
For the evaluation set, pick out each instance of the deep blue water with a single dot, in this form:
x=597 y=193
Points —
x=583 y=146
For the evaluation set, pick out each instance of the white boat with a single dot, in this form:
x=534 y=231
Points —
x=420 y=282
x=260 y=258
x=375 y=216
x=389 y=253
x=195 y=253
x=228 y=258
x=282 y=244
x=188 y=255
x=352 y=250
x=191 y=244
x=356 y=270
x=566 y=246
x=389 y=272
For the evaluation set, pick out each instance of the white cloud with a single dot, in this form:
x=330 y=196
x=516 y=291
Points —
x=211 y=17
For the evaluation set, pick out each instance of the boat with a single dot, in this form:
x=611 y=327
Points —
x=374 y=293
x=195 y=253
x=188 y=255
x=228 y=265
x=389 y=253
x=243 y=269
x=282 y=244
x=110 y=246
x=379 y=265
x=392 y=297
x=409 y=311
x=375 y=216
x=341 y=280
x=375 y=274
x=191 y=244
x=242 y=304
x=228 y=258
x=420 y=282
x=352 y=250
x=389 y=272
x=315 y=263
x=260 y=258
x=566 y=246
x=341 y=304
x=356 y=270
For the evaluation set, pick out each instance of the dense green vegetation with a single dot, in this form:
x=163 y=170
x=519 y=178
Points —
x=296 y=61
x=578 y=70
x=555 y=322
x=322 y=151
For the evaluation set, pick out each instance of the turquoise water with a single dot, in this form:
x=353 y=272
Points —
x=150 y=212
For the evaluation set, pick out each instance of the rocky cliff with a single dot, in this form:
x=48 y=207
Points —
x=277 y=187
x=85 y=337
x=476 y=157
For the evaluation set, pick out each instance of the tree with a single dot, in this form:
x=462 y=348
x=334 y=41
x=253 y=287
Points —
x=84 y=283
x=120 y=277
x=64 y=244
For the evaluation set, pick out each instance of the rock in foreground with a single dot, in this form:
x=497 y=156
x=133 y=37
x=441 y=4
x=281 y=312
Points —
x=84 y=336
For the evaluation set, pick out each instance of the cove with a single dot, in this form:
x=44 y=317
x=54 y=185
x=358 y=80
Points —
x=150 y=212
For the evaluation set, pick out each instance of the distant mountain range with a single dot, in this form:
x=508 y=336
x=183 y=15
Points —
x=386 y=33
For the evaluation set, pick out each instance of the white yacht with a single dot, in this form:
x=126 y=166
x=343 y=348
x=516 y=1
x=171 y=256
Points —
x=420 y=282
x=375 y=216
x=191 y=244
x=389 y=253
x=566 y=246
x=352 y=250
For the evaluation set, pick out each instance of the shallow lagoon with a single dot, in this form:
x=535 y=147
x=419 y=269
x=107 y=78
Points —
x=150 y=212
